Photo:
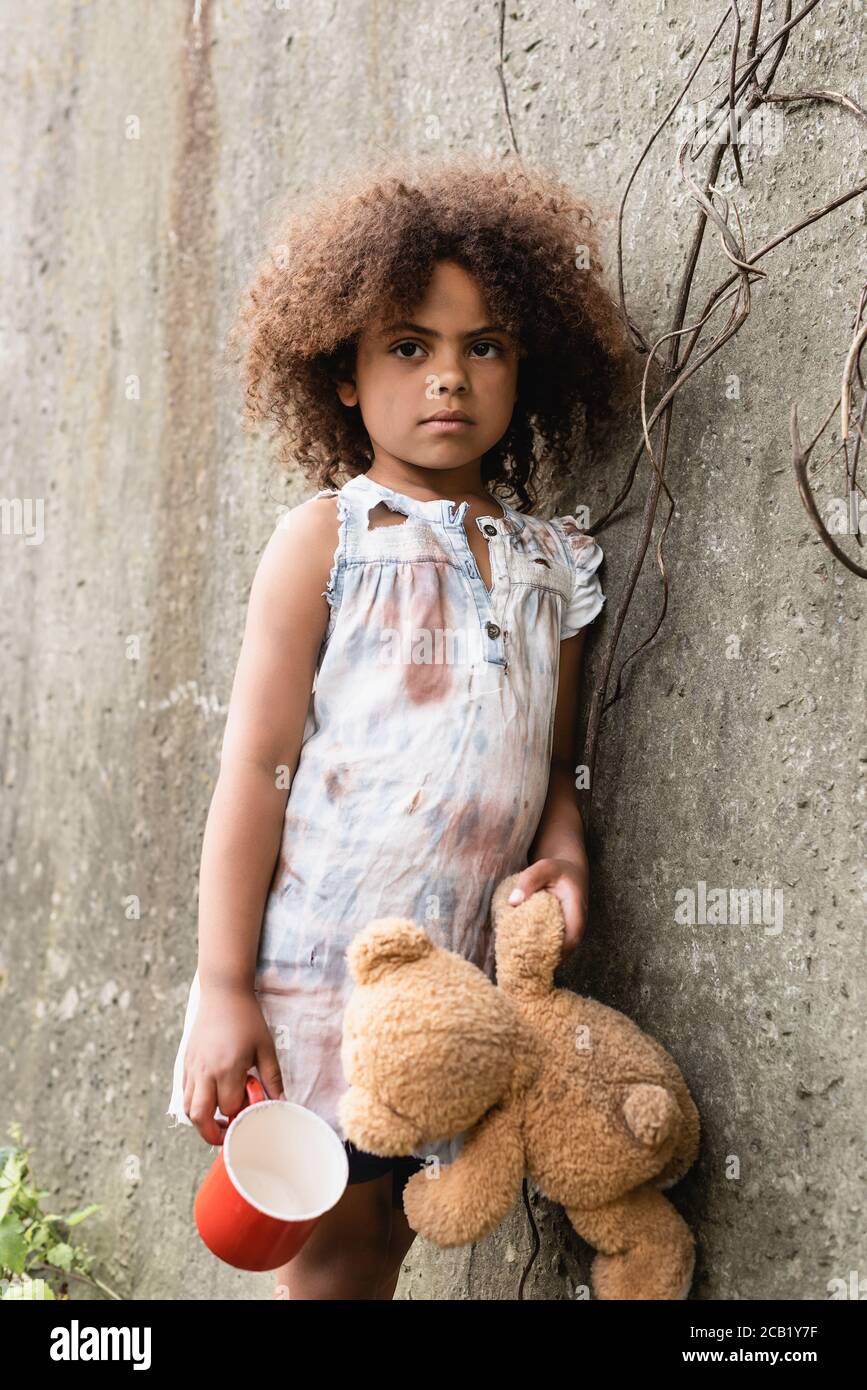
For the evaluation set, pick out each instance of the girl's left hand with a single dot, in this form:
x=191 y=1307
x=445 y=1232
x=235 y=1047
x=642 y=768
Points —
x=569 y=883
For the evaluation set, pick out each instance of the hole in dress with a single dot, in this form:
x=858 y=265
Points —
x=383 y=515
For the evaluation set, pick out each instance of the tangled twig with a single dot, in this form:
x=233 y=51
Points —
x=680 y=364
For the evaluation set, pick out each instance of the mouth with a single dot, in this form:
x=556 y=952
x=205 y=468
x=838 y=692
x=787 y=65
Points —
x=447 y=422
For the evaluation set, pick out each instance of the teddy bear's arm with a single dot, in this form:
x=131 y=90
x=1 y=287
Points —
x=463 y=1201
x=528 y=940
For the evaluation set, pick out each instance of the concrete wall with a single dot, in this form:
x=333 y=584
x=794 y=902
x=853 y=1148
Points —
x=122 y=262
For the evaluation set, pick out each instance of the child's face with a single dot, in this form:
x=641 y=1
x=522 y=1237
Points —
x=436 y=359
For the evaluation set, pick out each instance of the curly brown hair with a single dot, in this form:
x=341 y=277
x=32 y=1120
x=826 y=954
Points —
x=363 y=246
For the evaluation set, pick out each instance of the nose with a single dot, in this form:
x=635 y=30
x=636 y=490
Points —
x=449 y=371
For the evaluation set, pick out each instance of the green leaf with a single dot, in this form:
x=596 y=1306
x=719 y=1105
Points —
x=15 y=1167
x=13 y=1247
x=39 y=1236
x=77 y=1216
x=60 y=1255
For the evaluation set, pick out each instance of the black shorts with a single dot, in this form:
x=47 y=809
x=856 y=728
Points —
x=364 y=1166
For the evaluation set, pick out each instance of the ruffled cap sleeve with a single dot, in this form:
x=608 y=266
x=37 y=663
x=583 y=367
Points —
x=585 y=555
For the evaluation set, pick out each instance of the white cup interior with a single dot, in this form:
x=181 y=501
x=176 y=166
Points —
x=285 y=1160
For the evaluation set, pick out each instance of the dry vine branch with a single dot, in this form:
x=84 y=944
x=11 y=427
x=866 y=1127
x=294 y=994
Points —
x=678 y=368
x=801 y=455
x=502 y=75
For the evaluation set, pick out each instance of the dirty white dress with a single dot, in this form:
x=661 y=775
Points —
x=425 y=757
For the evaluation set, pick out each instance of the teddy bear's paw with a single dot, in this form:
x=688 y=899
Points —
x=645 y=1272
x=422 y=1210
x=432 y=1214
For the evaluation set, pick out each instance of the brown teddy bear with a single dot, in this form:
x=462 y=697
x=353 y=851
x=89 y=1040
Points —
x=544 y=1082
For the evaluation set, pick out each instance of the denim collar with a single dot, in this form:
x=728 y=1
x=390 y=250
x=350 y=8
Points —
x=436 y=509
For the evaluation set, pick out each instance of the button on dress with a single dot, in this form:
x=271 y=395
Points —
x=424 y=761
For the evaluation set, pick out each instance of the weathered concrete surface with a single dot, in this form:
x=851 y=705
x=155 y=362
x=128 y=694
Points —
x=122 y=261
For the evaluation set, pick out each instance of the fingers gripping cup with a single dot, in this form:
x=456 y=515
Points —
x=279 y=1169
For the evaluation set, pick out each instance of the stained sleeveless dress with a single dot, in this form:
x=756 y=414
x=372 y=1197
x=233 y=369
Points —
x=425 y=757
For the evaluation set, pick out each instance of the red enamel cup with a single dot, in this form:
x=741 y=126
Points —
x=279 y=1169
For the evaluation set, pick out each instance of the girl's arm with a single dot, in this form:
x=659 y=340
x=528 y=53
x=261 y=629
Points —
x=285 y=624
x=558 y=858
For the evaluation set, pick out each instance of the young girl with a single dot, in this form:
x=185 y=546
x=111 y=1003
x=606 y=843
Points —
x=410 y=665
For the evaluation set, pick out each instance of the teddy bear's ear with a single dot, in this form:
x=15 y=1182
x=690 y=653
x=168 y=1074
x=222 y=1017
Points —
x=371 y=1125
x=384 y=944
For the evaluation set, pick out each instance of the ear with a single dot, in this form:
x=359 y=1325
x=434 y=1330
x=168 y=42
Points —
x=347 y=392
x=370 y=1125
x=384 y=945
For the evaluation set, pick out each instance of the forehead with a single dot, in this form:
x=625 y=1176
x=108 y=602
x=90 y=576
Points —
x=453 y=301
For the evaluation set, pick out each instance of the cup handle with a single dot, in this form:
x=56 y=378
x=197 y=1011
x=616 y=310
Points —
x=254 y=1090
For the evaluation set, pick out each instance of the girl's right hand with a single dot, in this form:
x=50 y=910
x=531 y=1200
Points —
x=228 y=1038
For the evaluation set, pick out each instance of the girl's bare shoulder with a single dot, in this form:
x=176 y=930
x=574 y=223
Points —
x=299 y=554
x=310 y=521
